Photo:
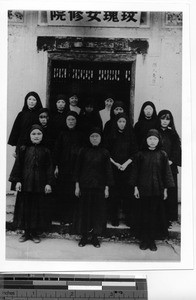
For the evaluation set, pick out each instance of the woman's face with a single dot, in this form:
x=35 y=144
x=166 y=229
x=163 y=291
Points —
x=31 y=102
x=60 y=105
x=71 y=122
x=152 y=141
x=89 y=108
x=118 y=110
x=95 y=139
x=165 y=121
x=43 y=118
x=73 y=100
x=148 y=111
x=109 y=102
x=36 y=136
x=121 y=123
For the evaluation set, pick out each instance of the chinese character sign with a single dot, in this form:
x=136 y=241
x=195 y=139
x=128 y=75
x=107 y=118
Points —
x=94 y=18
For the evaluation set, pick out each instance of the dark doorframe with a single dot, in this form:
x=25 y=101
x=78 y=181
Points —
x=92 y=57
x=93 y=49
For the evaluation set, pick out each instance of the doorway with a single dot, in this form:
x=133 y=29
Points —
x=93 y=79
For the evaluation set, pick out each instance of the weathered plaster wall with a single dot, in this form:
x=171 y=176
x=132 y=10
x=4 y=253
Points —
x=158 y=73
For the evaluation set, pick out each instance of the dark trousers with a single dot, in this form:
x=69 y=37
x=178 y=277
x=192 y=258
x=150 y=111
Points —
x=153 y=223
x=171 y=203
x=121 y=198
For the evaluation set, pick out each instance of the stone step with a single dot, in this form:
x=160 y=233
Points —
x=122 y=232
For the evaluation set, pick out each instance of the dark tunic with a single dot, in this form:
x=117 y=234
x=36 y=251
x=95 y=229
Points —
x=66 y=151
x=33 y=168
x=141 y=128
x=121 y=146
x=23 y=122
x=94 y=173
x=49 y=139
x=58 y=121
x=151 y=174
x=172 y=146
x=88 y=121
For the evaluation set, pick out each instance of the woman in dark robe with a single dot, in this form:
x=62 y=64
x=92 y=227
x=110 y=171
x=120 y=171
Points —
x=147 y=120
x=58 y=115
x=117 y=107
x=172 y=146
x=89 y=118
x=32 y=177
x=151 y=176
x=93 y=178
x=24 y=120
x=48 y=128
x=122 y=147
x=66 y=150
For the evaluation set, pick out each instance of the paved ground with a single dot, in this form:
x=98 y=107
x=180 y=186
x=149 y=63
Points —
x=59 y=245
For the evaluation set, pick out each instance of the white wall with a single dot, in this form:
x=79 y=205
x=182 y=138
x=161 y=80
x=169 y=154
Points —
x=158 y=74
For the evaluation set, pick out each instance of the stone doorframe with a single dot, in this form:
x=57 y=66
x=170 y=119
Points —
x=93 y=50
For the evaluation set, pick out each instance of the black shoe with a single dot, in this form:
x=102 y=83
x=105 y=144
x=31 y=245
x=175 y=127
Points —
x=35 y=239
x=25 y=237
x=95 y=242
x=152 y=246
x=143 y=245
x=83 y=242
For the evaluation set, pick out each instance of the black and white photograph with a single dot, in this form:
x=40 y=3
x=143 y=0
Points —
x=94 y=135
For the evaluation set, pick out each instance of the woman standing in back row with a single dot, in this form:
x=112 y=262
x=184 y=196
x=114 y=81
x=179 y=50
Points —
x=172 y=146
x=147 y=120
x=24 y=120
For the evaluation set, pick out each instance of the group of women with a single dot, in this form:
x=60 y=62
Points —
x=85 y=167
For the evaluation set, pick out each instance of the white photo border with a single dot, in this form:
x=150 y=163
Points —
x=187 y=205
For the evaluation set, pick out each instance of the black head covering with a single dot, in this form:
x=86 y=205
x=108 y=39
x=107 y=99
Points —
x=95 y=130
x=142 y=115
x=115 y=105
x=162 y=113
x=36 y=126
x=61 y=97
x=152 y=132
x=38 y=104
x=121 y=115
x=71 y=113
x=43 y=110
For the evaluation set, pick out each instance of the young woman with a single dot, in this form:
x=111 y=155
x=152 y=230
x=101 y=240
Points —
x=24 y=120
x=45 y=122
x=89 y=118
x=105 y=113
x=58 y=116
x=122 y=147
x=147 y=120
x=66 y=151
x=32 y=176
x=172 y=146
x=73 y=103
x=151 y=177
x=93 y=178
x=117 y=107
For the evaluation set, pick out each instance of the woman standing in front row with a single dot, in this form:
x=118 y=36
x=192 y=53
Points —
x=122 y=146
x=66 y=151
x=32 y=176
x=172 y=146
x=93 y=179
x=151 y=177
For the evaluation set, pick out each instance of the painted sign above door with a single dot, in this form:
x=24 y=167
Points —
x=94 y=18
